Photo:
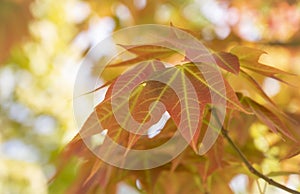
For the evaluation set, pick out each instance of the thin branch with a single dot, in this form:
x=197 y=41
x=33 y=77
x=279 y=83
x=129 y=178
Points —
x=247 y=163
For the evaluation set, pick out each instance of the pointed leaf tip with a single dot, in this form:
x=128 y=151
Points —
x=227 y=61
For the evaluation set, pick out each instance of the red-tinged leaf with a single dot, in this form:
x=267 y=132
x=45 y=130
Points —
x=257 y=87
x=196 y=52
x=249 y=59
x=227 y=61
x=178 y=78
x=132 y=78
x=238 y=121
x=268 y=118
x=171 y=88
x=267 y=71
x=128 y=86
x=184 y=42
x=166 y=133
x=95 y=167
x=214 y=160
x=214 y=156
x=176 y=162
x=144 y=53
x=76 y=147
x=185 y=110
x=293 y=152
x=148 y=178
x=212 y=86
x=195 y=34
x=220 y=182
x=155 y=51
x=98 y=181
x=15 y=17
x=120 y=93
x=203 y=93
x=185 y=159
x=192 y=55
x=182 y=182
x=128 y=62
x=117 y=97
x=100 y=87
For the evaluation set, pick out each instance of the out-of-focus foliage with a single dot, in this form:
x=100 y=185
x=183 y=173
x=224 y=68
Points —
x=21 y=177
x=14 y=19
x=36 y=88
x=43 y=41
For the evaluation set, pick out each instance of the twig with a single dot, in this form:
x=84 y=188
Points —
x=247 y=163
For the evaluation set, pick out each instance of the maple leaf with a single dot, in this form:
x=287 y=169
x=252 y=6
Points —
x=227 y=61
x=269 y=118
x=249 y=59
x=137 y=100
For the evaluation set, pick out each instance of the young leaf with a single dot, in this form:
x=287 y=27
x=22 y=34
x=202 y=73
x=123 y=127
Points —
x=247 y=56
x=268 y=118
x=185 y=110
x=211 y=85
x=249 y=59
x=147 y=51
x=257 y=87
x=133 y=77
x=227 y=61
x=144 y=53
x=293 y=151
